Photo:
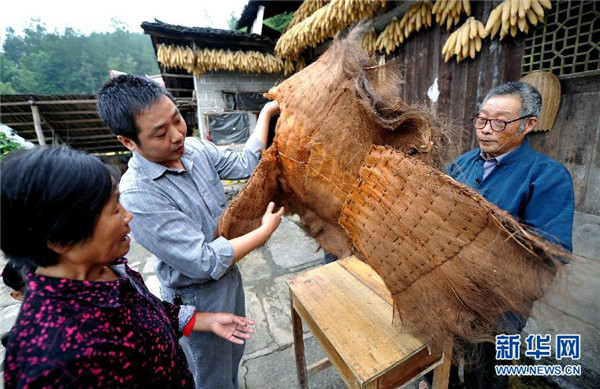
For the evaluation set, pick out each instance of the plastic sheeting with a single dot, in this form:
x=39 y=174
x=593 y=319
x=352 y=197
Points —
x=244 y=101
x=228 y=128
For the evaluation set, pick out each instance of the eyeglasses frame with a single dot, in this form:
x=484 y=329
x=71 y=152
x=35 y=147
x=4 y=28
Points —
x=503 y=121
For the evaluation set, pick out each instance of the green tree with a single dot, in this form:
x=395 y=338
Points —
x=232 y=21
x=279 y=21
x=7 y=71
x=43 y=62
x=6 y=88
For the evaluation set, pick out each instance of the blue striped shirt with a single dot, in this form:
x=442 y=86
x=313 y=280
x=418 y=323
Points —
x=490 y=163
x=176 y=212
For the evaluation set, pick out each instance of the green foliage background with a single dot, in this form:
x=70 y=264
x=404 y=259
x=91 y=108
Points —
x=7 y=144
x=43 y=62
x=278 y=22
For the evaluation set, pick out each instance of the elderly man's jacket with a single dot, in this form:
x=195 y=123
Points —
x=531 y=186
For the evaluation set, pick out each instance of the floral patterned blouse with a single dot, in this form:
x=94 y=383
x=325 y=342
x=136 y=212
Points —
x=96 y=334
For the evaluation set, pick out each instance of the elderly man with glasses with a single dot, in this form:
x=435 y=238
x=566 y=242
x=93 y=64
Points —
x=531 y=186
x=506 y=171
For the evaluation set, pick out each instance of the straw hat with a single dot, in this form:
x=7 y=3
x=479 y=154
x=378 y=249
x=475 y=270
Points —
x=549 y=86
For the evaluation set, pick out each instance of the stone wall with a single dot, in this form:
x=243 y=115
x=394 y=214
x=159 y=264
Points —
x=572 y=306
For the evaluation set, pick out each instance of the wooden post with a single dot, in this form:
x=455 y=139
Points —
x=441 y=374
x=37 y=123
x=299 y=348
x=202 y=119
x=258 y=21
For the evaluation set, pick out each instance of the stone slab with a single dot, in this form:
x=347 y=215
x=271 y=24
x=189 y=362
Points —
x=278 y=370
x=255 y=267
x=586 y=235
x=577 y=291
x=261 y=338
x=292 y=248
x=275 y=297
x=548 y=320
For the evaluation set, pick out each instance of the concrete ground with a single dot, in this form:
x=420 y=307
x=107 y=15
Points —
x=269 y=358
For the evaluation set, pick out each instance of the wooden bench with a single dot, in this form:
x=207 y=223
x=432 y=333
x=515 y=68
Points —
x=349 y=310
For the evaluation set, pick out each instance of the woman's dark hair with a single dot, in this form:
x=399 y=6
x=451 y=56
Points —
x=121 y=99
x=12 y=275
x=50 y=195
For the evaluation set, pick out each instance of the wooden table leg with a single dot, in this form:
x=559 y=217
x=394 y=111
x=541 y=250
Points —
x=441 y=374
x=299 y=348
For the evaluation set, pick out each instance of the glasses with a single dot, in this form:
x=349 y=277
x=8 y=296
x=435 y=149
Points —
x=496 y=124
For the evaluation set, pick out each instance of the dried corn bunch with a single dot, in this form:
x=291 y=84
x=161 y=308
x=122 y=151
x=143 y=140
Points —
x=448 y=11
x=290 y=67
x=322 y=24
x=515 y=15
x=306 y=9
x=208 y=60
x=465 y=41
x=369 y=41
x=300 y=64
x=174 y=56
x=417 y=16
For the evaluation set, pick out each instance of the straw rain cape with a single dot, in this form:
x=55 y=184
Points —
x=360 y=168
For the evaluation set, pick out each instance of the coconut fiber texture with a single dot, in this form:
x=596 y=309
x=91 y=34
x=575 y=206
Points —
x=361 y=169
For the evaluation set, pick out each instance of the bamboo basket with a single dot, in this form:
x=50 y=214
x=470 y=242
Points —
x=549 y=86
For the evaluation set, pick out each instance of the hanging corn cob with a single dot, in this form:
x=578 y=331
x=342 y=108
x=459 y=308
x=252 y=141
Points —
x=324 y=23
x=176 y=56
x=512 y=16
x=466 y=41
x=306 y=9
x=417 y=16
x=368 y=41
x=448 y=11
x=390 y=38
x=206 y=60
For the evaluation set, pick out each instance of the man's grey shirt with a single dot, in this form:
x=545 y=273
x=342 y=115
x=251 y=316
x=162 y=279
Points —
x=176 y=212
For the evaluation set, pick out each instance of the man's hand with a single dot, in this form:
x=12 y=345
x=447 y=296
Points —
x=262 y=124
x=242 y=245
x=226 y=325
x=270 y=109
x=270 y=220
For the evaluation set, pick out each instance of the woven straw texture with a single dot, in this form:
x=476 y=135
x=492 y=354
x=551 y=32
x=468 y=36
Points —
x=447 y=255
x=549 y=87
x=360 y=168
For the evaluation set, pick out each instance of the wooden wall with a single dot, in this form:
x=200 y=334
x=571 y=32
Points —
x=575 y=139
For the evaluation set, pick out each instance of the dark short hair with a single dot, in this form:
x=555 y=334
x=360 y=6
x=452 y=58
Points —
x=121 y=99
x=12 y=275
x=50 y=195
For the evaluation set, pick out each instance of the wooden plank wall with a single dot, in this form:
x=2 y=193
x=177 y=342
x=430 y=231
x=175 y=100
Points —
x=575 y=139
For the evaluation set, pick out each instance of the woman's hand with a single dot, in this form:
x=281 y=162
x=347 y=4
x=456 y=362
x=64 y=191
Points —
x=226 y=325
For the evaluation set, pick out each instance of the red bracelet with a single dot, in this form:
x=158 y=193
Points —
x=187 y=330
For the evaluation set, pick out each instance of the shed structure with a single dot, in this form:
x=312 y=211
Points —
x=59 y=119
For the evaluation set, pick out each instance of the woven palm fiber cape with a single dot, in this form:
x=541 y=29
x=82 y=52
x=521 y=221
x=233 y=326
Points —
x=359 y=166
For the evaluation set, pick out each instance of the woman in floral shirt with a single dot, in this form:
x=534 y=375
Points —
x=87 y=319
